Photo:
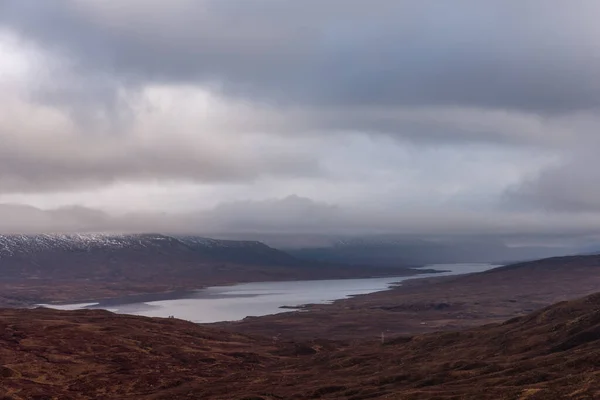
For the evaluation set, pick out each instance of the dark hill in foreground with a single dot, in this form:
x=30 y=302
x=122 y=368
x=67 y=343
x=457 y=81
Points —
x=550 y=354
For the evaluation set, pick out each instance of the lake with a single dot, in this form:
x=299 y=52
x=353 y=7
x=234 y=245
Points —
x=230 y=303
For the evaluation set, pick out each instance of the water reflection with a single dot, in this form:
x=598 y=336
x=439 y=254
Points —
x=228 y=303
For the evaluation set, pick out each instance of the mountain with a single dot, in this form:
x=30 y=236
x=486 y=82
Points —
x=394 y=250
x=550 y=354
x=77 y=267
x=242 y=251
x=128 y=257
x=569 y=264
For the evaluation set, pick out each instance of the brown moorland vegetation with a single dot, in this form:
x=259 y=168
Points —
x=435 y=304
x=553 y=353
x=83 y=267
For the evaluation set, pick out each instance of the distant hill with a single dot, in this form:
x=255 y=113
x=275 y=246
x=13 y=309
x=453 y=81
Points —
x=390 y=250
x=550 y=354
x=439 y=303
x=66 y=267
x=402 y=249
x=130 y=257
x=563 y=264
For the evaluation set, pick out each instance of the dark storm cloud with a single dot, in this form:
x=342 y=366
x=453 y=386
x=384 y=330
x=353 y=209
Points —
x=527 y=55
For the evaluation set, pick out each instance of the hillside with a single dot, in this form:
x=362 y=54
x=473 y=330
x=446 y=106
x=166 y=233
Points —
x=550 y=265
x=550 y=354
x=394 y=250
x=141 y=256
x=433 y=304
x=55 y=267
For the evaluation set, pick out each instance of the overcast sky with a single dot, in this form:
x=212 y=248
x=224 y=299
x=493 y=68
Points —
x=422 y=116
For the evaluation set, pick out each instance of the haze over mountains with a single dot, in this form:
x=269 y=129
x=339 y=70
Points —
x=406 y=250
x=63 y=256
x=275 y=225
x=345 y=118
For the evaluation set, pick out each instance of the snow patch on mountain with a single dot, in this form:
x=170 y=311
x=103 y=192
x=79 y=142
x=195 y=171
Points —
x=11 y=245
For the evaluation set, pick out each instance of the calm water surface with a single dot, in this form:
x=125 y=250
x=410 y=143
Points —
x=230 y=303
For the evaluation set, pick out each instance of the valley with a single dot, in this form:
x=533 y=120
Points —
x=299 y=200
x=235 y=302
x=512 y=332
x=83 y=267
x=433 y=304
x=553 y=353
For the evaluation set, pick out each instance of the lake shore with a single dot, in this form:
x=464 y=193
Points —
x=236 y=302
x=30 y=292
x=435 y=304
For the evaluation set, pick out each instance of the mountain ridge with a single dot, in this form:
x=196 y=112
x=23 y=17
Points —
x=88 y=241
x=33 y=252
x=73 y=267
x=390 y=250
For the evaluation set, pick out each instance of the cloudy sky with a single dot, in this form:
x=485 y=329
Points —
x=421 y=116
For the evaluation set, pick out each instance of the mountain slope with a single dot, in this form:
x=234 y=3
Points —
x=444 y=303
x=127 y=257
x=546 y=265
x=550 y=354
x=48 y=354
x=243 y=251
x=81 y=267
x=393 y=250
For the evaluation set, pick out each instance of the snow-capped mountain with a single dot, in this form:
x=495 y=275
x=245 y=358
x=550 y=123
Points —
x=23 y=244
x=131 y=256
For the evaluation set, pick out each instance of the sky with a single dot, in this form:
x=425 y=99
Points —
x=314 y=116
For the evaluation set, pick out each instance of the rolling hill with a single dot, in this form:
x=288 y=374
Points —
x=142 y=257
x=74 y=267
x=553 y=353
x=439 y=303
x=394 y=250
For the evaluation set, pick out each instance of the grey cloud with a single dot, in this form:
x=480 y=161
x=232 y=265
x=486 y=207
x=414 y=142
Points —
x=40 y=152
x=301 y=215
x=571 y=186
x=444 y=125
x=26 y=219
x=499 y=71
x=291 y=213
x=297 y=215
x=526 y=55
x=83 y=166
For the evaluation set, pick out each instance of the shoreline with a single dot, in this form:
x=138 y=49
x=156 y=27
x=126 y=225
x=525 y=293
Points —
x=192 y=292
